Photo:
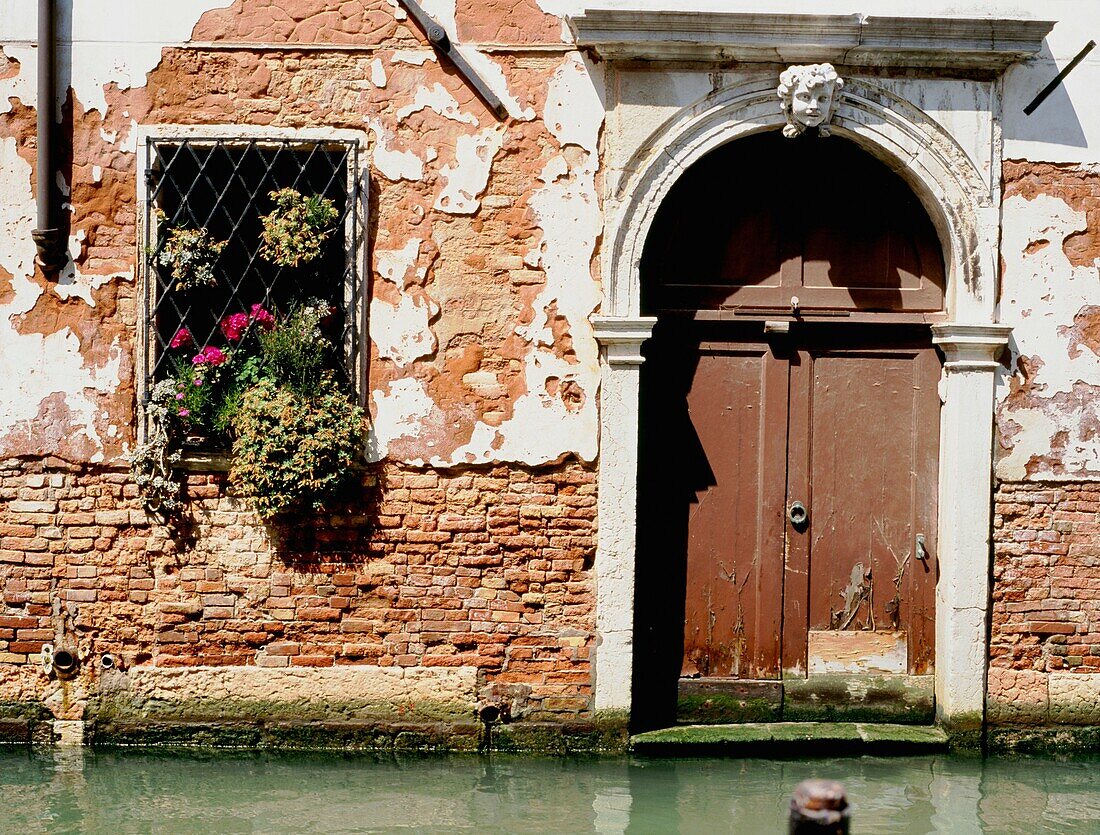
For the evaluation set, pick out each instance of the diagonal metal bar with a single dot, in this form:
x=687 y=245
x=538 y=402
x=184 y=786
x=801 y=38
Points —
x=437 y=37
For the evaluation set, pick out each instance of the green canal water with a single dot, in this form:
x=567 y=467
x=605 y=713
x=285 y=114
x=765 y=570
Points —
x=125 y=792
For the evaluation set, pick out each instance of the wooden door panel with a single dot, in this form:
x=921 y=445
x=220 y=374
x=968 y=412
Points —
x=868 y=420
x=737 y=404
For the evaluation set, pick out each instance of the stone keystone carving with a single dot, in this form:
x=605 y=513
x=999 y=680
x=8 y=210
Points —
x=807 y=93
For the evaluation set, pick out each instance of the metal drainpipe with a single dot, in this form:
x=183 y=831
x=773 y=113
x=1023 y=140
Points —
x=46 y=236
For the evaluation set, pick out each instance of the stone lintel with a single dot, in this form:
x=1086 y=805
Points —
x=986 y=44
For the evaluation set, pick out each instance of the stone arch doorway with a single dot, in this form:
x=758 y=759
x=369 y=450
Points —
x=961 y=197
x=791 y=374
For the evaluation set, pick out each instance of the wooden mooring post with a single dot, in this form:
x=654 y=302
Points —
x=819 y=807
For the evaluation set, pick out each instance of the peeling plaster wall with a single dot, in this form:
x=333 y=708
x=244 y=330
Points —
x=1048 y=420
x=489 y=325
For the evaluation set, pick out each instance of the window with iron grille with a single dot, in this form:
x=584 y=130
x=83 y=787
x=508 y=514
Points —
x=224 y=186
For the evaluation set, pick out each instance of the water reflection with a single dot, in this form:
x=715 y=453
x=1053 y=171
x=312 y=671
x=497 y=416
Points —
x=117 y=793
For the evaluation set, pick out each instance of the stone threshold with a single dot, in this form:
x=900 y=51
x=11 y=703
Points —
x=790 y=739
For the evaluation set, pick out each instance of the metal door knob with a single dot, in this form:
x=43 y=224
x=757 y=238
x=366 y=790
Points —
x=798 y=515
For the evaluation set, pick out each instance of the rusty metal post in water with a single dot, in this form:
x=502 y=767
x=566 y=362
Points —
x=819 y=807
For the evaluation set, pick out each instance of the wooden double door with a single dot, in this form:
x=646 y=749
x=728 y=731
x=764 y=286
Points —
x=802 y=491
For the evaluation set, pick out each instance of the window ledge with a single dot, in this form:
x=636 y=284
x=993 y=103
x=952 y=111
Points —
x=200 y=461
x=989 y=44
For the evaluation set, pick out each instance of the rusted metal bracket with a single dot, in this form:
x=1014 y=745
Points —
x=437 y=37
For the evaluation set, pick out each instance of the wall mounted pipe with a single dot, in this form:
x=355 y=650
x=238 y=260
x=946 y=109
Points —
x=47 y=237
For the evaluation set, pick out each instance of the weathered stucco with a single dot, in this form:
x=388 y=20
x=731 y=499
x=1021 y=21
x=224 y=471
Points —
x=1048 y=422
x=482 y=286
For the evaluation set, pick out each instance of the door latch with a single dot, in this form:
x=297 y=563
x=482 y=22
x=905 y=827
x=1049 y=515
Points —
x=922 y=551
x=798 y=515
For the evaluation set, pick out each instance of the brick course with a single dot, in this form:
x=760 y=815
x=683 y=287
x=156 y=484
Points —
x=488 y=568
x=1046 y=577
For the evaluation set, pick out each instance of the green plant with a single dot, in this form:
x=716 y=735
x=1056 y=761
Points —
x=294 y=450
x=152 y=463
x=295 y=229
x=190 y=255
x=296 y=351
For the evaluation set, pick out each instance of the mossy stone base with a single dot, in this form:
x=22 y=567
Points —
x=906 y=700
x=593 y=736
x=22 y=723
x=1049 y=741
x=762 y=739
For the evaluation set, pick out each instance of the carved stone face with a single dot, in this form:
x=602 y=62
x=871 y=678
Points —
x=812 y=102
x=807 y=93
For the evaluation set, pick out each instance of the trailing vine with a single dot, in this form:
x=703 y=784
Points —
x=153 y=462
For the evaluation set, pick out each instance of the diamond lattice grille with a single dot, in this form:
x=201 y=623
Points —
x=223 y=186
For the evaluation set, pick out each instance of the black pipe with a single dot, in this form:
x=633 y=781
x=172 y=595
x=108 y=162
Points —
x=47 y=237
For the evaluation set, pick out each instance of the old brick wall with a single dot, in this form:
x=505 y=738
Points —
x=1045 y=644
x=487 y=569
x=1045 y=640
x=482 y=234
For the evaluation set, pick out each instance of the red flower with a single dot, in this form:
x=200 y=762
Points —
x=262 y=317
x=182 y=339
x=209 y=356
x=233 y=326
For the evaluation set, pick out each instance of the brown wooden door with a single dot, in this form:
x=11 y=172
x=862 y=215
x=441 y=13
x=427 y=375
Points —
x=846 y=422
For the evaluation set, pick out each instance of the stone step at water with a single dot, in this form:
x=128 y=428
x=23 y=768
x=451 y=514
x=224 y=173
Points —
x=800 y=738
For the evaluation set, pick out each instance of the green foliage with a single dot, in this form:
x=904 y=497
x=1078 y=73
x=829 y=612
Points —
x=190 y=255
x=295 y=229
x=295 y=352
x=295 y=451
x=244 y=372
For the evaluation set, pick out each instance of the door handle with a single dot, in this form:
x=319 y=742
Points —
x=922 y=551
x=798 y=515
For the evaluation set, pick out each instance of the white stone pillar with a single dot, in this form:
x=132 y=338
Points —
x=621 y=339
x=966 y=480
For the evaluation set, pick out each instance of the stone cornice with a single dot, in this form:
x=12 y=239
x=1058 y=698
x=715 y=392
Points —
x=989 y=44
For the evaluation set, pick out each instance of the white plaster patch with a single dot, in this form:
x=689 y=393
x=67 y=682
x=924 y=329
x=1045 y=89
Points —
x=439 y=99
x=390 y=163
x=574 y=112
x=443 y=11
x=415 y=57
x=398 y=12
x=465 y=181
x=23 y=85
x=97 y=174
x=402 y=332
x=377 y=73
x=1042 y=293
x=394 y=264
x=397 y=413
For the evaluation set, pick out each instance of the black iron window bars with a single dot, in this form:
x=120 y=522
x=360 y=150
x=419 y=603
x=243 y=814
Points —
x=222 y=185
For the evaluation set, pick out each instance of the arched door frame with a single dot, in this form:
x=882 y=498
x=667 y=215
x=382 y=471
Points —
x=965 y=211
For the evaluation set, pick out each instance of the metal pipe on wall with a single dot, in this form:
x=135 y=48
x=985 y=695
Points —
x=47 y=235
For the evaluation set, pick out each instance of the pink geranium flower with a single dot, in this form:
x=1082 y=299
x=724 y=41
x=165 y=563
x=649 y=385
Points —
x=262 y=317
x=233 y=326
x=182 y=339
x=209 y=356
